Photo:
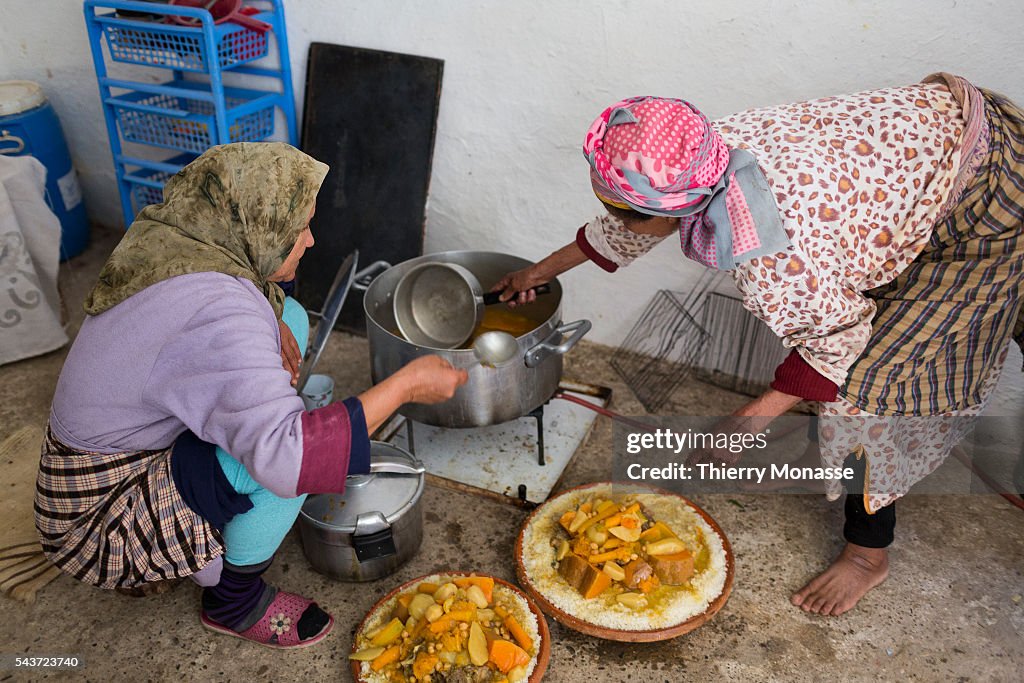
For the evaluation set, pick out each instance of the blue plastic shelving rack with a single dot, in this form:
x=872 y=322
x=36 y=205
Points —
x=192 y=109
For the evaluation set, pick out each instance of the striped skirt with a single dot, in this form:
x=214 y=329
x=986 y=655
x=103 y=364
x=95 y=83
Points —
x=942 y=323
x=117 y=520
x=940 y=332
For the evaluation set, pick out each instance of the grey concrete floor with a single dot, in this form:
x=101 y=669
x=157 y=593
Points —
x=951 y=609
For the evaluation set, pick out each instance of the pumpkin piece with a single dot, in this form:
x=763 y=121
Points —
x=587 y=579
x=675 y=569
x=581 y=546
x=648 y=585
x=424 y=664
x=630 y=522
x=389 y=656
x=485 y=583
x=451 y=640
x=507 y=656
x=566 y=519
x=519 y=633
x=586 y=508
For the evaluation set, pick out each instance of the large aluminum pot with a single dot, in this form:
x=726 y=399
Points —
x=492 y=394
x=375 y=526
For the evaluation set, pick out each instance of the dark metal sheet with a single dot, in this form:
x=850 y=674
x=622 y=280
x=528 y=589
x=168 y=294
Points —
x=371 y=116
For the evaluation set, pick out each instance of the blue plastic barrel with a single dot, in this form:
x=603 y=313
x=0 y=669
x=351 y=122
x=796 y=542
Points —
x=29 y=126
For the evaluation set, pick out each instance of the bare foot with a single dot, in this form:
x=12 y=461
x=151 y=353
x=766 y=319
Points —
x=850 y=576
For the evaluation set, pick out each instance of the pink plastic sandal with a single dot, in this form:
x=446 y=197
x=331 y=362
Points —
x=277 y=627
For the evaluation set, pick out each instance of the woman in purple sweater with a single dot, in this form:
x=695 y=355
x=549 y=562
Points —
x=187 y=355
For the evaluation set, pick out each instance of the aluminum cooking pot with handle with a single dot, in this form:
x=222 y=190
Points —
x=493 y=394
x=372 y=528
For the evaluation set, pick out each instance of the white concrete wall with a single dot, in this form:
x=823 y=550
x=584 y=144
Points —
x=523 y=80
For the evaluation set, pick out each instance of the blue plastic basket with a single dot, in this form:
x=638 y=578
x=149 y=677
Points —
x=181 y=47
x=147 y=182
x=188 y=124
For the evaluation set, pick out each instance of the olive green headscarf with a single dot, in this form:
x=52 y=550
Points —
x=238 y=210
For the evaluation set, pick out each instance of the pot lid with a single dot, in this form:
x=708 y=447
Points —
x=19 y=96
x=388 y=493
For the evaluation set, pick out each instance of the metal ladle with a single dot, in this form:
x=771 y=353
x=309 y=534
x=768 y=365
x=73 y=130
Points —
x=495 y=347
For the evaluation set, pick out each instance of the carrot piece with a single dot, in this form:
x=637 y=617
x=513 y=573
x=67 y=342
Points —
x=447 y=620
x=485 y=583
x=613 y=520
x=597 y=518
x=632 y=509
x=501 y=611
x=389 y=656
x=506 y=656
x=630 y=522
x=613 y=543
x=600 y=583
x=404 y=599
x=519 y=633
x=428 y=588
x=617 y=554
x=586 y=507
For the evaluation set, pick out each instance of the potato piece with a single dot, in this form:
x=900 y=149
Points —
x=475 y=595
x=577 y=521
x=516 y=674
x=596 y=534
x=477 y=646
x=389 y=633
x=627 y=535
x=444 y=592
x=632 y=600
x=666 y=546
x=613 y=570
x=418 y=606
x=675 y=569
x=367 y=654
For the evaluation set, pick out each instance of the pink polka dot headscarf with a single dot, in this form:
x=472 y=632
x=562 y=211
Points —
x=654 y=155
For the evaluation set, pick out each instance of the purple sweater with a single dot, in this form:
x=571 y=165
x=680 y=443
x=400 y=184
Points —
x=202 y=352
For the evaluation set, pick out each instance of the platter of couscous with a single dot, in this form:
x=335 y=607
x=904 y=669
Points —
x=452 y=628
x=625 y=563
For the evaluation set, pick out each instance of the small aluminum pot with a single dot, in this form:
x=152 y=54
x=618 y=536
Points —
x=373 y=528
